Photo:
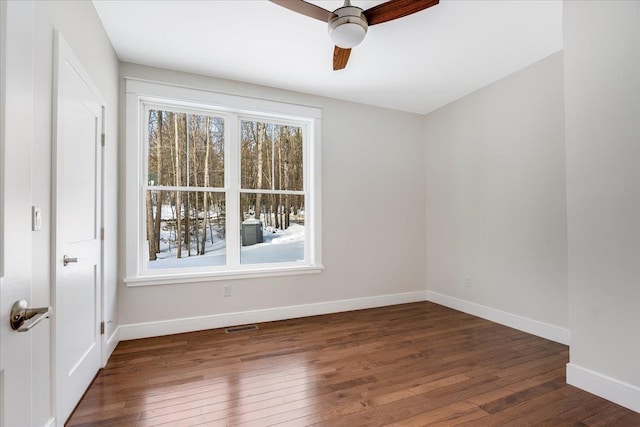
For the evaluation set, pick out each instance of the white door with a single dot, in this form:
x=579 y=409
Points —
x=16 y=112
x=78 y=116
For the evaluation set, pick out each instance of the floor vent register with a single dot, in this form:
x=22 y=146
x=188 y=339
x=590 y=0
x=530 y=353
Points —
x=244 y=328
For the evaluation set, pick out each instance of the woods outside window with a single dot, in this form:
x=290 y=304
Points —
x=224 y=191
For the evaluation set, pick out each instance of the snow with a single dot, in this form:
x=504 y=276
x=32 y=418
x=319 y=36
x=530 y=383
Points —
x=278 y=246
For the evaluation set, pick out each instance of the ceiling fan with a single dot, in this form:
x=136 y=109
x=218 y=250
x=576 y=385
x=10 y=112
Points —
x=348 y=24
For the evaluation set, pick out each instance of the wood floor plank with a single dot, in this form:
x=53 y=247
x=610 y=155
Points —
x=444 y=416
x=411 y=365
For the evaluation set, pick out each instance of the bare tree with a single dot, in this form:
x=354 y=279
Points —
x=205 y=207
x=178 y=182
x=262 y=136
x=150 y=228
x=159 y=194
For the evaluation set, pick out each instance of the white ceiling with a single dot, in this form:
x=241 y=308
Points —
x=416 y=63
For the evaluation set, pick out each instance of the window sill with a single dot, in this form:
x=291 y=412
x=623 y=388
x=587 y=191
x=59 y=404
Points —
x=179 y=279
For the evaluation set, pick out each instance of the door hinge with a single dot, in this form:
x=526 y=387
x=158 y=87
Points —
x=102 y=139
x=101 y=328
x=101 y=233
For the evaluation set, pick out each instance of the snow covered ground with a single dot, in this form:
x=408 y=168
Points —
x=278 y=246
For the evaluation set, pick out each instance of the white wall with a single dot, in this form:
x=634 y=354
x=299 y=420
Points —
x=602 y=80
x=372 y=208
x=495 y=202
x=79 y=24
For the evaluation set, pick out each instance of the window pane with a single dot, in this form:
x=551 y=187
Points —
x=272 y=229
x=185 y=229
x=167 y=148
x=271 y=156
x=178 y=140
x=206 y=151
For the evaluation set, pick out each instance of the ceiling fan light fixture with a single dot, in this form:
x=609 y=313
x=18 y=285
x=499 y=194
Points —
x=348 y=28
x=348 y=24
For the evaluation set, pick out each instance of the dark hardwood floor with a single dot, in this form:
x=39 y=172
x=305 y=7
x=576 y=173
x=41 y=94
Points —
x=406 y=365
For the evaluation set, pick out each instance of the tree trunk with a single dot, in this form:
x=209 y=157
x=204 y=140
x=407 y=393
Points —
x=187 y=208
x=286 y=180
x=150 y=228
x=210 y=219
x=178 y=195
x=187 y=223
x=205 y=198
x=269 y=219
x=262 y=138
x=220 y=218
x=159 y=194
x=287 y=212
x=282 y=227
x=277 y=211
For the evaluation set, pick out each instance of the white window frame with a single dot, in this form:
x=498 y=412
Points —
x=142 y=95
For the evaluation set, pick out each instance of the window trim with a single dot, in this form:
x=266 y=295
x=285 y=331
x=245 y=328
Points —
x=142 y=93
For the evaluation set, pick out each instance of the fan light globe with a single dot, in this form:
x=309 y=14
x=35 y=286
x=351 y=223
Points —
x=348 y=27
x=348 y=35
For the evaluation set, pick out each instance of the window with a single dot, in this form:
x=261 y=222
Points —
x=272 y=197
x=219 y=186
x=184 y=211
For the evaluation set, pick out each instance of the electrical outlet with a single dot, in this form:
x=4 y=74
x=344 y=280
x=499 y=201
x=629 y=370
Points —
x=226 y=290
x=467 y=281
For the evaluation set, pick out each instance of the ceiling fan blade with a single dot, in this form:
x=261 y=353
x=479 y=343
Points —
x=340 y=57
x=305 y=8
x=395 y=9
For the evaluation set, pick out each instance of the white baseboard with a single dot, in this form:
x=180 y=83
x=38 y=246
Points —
x=176 y=326
x=619 y=392
x=531 y=326
x=51 y=423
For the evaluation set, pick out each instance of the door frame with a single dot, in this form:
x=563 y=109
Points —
x=62 y=52
x=3 y=26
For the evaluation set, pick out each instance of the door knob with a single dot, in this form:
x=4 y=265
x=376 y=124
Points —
x=24 y=318
x=66 y=260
